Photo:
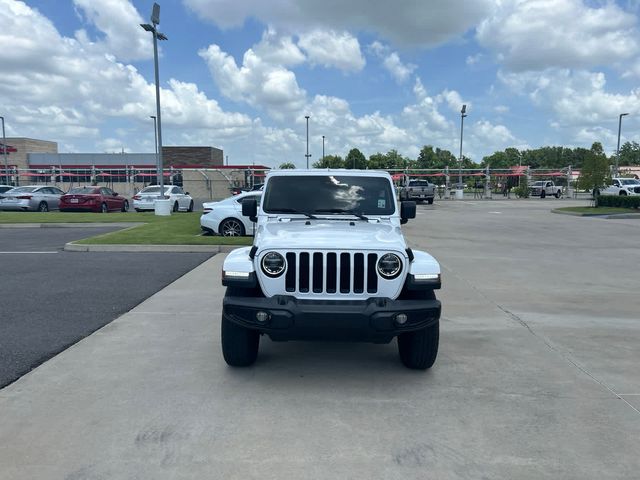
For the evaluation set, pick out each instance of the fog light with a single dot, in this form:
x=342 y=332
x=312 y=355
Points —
x=262 y=317
x=401 y=319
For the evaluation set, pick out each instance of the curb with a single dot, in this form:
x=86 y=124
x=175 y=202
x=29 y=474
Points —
x=607 y=216
x=71 y=225
x=75 y=247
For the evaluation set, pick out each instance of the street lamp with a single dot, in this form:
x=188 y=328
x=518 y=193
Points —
x=462 y=115
x=4 y=152
x=322 y=147
x=307 y=154
x=618 y=147
x=155 y=21
x=155 y=136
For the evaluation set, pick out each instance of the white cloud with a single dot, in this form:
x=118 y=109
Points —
x=454 y=100
x=501 y=109
x=537 y=34
x=473 y=59
x=332 y=49
x=120 y=22
x=413 y=22
x=392 y=63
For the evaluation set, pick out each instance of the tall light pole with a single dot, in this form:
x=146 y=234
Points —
x=462 y=115
x=618 y=147
x=322 y=147
x=155 y=136
x=155 y=21
x=4 y=152
x=307 y=154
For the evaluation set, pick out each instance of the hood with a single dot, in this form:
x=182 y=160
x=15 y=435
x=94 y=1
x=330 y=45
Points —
x=327 y=234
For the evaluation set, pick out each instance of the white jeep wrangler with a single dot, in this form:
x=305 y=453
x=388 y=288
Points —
x=329 y=261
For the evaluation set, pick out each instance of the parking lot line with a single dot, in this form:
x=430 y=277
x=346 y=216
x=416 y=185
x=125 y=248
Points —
x=26 y=253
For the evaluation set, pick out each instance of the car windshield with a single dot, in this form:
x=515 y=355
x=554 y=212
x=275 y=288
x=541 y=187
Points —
x=630 y=181
x=538 y=184
x=23 y=189
x=418 y=183
x=79 y=190
x=329 y=194
x=154 y=190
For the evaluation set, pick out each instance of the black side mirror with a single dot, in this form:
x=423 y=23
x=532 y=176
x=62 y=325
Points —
x=115 y=194
x=187 y=193
x=407 y=211
x=250 y=209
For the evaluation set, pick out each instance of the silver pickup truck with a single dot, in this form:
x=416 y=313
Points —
x=419 y=191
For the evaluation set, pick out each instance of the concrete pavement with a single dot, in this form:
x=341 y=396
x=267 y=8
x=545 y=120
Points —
x=536 y=377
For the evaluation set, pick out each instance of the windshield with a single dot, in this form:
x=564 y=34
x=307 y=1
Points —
x=330 y=194
x=418 y=183
x=630 y=181
x=23 y=189
x=538 y=184
x=82 y=190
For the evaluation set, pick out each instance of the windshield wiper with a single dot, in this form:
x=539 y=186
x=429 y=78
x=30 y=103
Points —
x=342 y=210
x=293 y=210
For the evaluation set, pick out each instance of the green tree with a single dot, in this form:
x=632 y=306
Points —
x=355 y=159
x=330 y=161
x=595 y=169
x=629 y=154
x=286 y=165
x=438 y=158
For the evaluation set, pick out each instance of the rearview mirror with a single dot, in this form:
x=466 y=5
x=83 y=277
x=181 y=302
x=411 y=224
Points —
x=250 y=208
x=407 y=211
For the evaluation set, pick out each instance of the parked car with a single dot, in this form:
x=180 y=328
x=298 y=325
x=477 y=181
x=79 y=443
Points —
x=93 y=199
x=418 y=190
x=545 y=188
x=31 y=198
x=622 y=186
x=225 y=217
x=145 y=198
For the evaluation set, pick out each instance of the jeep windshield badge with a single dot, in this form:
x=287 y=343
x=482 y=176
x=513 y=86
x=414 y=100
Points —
x=331 y=276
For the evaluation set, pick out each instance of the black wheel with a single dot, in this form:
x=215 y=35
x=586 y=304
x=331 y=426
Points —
x=176 y=207
x=543 y=194
x=623 y=193
x=190 y=206
x=137 y=209
x=104 y=208
x=43 y=207
x=125 y=206
x=239 y=344
x=418 y=349
x=430 y=201
x=232 y=227
x=558 y=194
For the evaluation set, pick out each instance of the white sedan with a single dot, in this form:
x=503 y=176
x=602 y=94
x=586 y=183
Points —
x=225 y=217
x=180 y=201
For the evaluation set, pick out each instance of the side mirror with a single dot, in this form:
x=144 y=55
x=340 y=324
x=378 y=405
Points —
x=115 y=194
x=250 y=208
x=187 y=193
x=407 y=211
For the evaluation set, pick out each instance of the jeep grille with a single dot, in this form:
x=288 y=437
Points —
x=331 y=272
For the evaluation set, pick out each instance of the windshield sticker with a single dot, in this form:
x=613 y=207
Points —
x=382 y=203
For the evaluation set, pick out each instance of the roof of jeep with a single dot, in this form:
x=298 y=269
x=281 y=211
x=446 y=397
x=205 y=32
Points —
x=328 y=171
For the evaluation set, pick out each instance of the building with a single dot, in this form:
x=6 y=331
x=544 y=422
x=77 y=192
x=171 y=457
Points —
x=23 y=147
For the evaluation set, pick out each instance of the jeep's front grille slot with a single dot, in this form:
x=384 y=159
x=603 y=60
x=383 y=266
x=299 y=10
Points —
x=331 y=272
x=290 y=277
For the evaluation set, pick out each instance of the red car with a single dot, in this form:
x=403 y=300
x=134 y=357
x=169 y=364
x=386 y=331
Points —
x=93 y=199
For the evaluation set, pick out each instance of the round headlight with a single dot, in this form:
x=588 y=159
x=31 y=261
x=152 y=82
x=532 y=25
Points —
x=389 y=265
x=273 y=264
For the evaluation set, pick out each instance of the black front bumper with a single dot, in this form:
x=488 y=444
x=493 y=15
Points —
x=370 y=320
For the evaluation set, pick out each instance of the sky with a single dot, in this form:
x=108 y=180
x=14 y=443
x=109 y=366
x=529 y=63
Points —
x=374 y=75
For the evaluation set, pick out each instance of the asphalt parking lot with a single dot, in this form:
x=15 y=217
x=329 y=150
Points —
x=51 y=298
x=537 y=375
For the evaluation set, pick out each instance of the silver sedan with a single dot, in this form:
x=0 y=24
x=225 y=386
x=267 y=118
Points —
x=31 y=198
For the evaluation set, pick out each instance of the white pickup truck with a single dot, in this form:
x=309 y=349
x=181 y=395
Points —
x=622 y=186
x=544 y=188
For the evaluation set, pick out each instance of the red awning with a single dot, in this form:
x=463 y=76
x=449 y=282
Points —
x=9 y=148
x=35 y=174
x=150 y=174
x=552 y=174
x=439 y=174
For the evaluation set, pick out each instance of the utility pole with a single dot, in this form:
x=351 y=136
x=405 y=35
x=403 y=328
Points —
x=462 y=115
x=307 y=154
x=615 y=173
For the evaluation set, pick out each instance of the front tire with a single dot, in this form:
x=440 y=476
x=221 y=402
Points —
x=623 y=193
x=543 y=194
x=239 y=344
x=558 y=194
x=43 y=207
x=430 y=201
x=418 y=350
x=104 y=208
x=190 y=206
x=125 y=206
x=176 y=207
x=232 y=227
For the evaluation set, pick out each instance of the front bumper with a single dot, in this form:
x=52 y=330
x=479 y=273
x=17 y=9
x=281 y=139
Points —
x=371 y=320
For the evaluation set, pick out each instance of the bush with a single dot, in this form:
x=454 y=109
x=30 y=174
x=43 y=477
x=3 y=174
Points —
x=621 y=201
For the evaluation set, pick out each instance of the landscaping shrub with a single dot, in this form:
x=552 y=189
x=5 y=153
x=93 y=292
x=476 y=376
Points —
x=621 y=201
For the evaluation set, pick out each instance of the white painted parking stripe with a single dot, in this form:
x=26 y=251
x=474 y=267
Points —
x=25 y=253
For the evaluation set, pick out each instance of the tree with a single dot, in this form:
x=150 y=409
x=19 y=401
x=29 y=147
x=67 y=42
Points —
x=355 y=159
x=629 y=154
x=330 y=161
x=440 y=159
x=286 y=165
x=595 y=170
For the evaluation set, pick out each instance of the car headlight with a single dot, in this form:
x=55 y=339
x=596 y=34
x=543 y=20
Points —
x=273 y=264
x=389 y=266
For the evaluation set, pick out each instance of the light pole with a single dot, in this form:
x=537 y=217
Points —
x=4 y=152
x=462 y=115
x=155 y=21
x=618 y=147
x=323 y=148
x=155 y=135
x=307 y=154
